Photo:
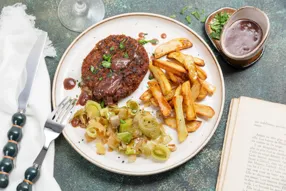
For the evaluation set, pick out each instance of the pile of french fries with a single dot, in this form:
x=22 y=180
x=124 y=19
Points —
x=178 y=84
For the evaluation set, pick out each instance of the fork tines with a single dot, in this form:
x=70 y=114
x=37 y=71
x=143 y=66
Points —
x=64 y=111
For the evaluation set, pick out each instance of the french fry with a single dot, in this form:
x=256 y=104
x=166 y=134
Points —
x=161 y=78
x=178 y=90
x=154 y=102
x=170 y=95
x=192 y=126
x=203 y=94
x=170 y=67
x=146 y=96
x=201 y=73
x=196 y=87
x=180 y=120
x=157 y=94
x=188 y=62
x=180 y=57
x=204 y=110
x=199 y=61
x=188 y=101
x=174 y=78
x=172 y=46
x=171 y=122
x=209 y=87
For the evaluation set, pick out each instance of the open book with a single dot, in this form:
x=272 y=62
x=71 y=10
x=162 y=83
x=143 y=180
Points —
x=254 y=152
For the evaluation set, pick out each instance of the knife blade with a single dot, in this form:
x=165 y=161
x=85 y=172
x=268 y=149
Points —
x=19 y=119
x=32 y=67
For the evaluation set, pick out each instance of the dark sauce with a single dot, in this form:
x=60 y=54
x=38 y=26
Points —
x=163 y=35
x=242 y=37
x=69 y=83
x=83 y=98
x=75 y=122
x=141 y=35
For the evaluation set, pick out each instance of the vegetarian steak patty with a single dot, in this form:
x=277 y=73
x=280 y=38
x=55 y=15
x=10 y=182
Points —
x=114 y=68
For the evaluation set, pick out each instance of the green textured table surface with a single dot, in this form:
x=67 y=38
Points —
x=265 y=80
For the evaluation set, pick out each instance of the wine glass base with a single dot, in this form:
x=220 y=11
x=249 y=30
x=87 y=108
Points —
x=77 y=18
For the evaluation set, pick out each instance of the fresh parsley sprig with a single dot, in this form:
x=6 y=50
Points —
x=217 y=24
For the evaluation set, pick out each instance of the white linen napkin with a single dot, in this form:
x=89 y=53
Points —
x=17 y=37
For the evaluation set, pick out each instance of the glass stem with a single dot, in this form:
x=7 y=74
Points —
x=80 y=8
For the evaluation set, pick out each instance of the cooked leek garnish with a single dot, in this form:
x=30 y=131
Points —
x=160 y=152
x=133 y=105
x=91 y=132
x=92 y=109
x=126 y=126
x=127 y=129
x=125 y=137
x=100 y=148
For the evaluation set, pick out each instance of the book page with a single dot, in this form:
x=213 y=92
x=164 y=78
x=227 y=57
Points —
x=227 y=141
x=257 y=160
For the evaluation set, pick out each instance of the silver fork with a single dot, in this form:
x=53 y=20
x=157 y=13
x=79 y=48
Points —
x=54 y=125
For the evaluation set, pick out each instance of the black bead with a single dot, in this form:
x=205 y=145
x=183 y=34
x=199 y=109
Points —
x=24 y=186
x=10 y=149
x=19 y=119
x=31 y=174
x=15 y=134
x=6 y=165
x=4 y=180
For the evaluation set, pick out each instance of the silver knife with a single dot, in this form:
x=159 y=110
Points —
x=19 y=119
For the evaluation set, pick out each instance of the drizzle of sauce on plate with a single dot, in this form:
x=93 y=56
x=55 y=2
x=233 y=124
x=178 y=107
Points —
x=75 y=122
x=163 y=35
x=69 y=83
x=141 y=35
x=83 y=98
x=242 y=37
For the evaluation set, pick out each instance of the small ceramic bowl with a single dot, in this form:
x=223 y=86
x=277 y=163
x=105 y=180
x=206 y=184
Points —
x=256 y=15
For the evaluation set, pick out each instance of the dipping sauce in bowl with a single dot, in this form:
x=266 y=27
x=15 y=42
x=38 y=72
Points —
x=242 y=37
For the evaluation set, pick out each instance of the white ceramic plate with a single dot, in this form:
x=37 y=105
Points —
x=132 y=24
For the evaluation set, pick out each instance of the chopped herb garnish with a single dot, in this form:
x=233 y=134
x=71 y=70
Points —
x=122 y=121
x=204 y=19
x=110 y=73
x=100 y=78
x=196 y=14
x=151 y=77
x=102 y=104
x=92 y=69
x=144 y=41
x=111 y=48
x=107 y=57
x=173 y=16
x=121 y=44
x=88 y=78
x=106 y=64
x=126 y=55
x=188 y=19
x=79 y=84
x=217 y=24
x=184 y=10
x=203 y=11
x=76 y=96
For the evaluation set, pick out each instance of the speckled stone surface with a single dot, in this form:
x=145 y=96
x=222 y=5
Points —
x=265 y=80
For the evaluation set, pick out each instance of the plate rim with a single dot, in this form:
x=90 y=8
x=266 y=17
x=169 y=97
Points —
x=159 y=170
